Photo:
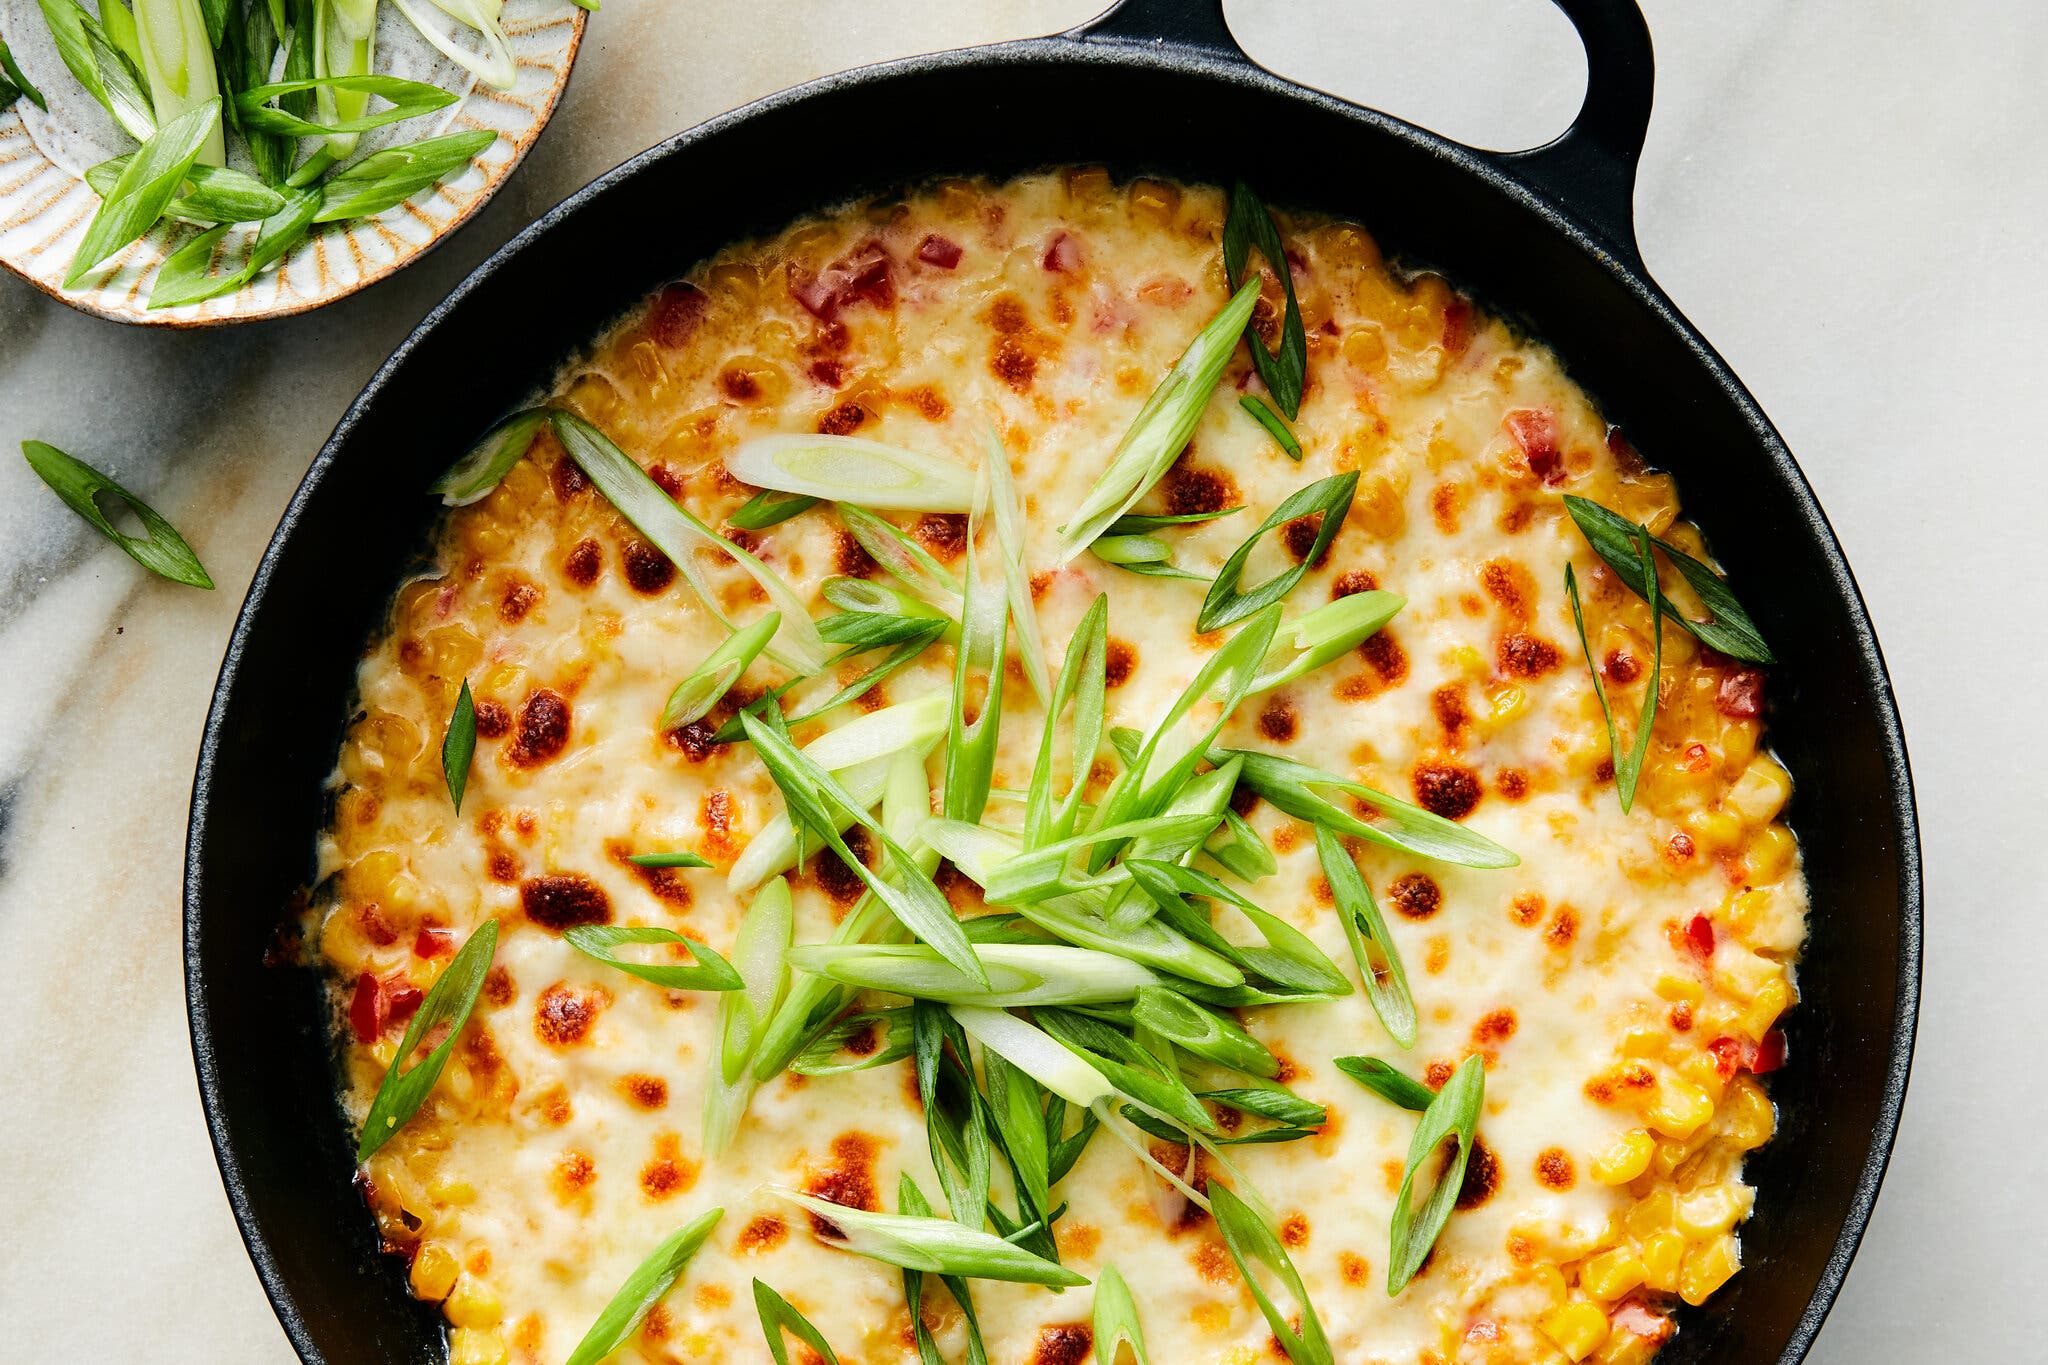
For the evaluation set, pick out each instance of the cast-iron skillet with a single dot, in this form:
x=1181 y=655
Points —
x=1158 y=85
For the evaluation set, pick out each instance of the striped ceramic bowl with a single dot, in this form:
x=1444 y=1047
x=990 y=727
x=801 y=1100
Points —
x=45 y=204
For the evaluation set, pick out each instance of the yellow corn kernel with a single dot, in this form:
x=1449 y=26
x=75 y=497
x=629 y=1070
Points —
x=434 y=1269
x=1643 y=1041
x=1549 y=1281
x=1673 y=1152
x=1702 y=1071
x=1678 y=1110
x=449 y=1190
x=1662 y=1256
x=1611 y=1274
x=1576 y=1328
x=1715 y=829
x=1738 y=743
x=1628 y=1158
x=1156 y=200
x=1770 y=854
x=1508 y=703
x=1467 y=660
x=1761 y=792
x=1715 y=1209
x=1625 y=1348
x=1651 y=1215
x=1772 y=999
x=1749 y=1119
x=1366 y=348
x=1708 y=1267
x=473 y=1304
x=1747 y=908
x=1684 y=988
x=468 y=1346
x=451 y=651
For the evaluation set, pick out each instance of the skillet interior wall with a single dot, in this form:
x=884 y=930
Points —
x=364 y=513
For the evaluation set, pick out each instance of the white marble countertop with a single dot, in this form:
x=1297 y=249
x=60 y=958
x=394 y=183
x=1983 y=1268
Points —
x=1847 y=196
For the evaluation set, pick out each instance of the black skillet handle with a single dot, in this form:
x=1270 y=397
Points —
x=1589 y=171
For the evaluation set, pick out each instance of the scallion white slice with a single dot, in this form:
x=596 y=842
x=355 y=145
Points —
x=1162 y=428
x=708 y=681
x=1036 y=1053
x=1329 y=632
x=1379 y=962
x=907 y=561
x=1115 y=1320
x=849 y=469
x=1019 y=974
x=1007 y=512
x=936 y=1246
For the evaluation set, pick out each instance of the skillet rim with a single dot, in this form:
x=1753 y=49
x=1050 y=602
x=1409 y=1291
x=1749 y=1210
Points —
x=1174 y=58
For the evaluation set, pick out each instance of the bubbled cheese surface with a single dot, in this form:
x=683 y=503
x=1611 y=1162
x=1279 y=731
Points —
x=563 y=1143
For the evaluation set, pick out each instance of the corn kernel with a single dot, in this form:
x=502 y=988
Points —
x=1771 y=1000
x=1747 y=908
x=1626 y=1348
x=1679 y=1108
x=1702 y=1070
x=434 y=1269
x=1750 y=1120
x=1156 y=200
x=1508 y=703
x=1761 y=792
x=1643 y=1041
x=1770 y=854
x=1738 y=743
x=1681 y=988
x=1712 y=1210
x=1549 y=1281
x=468 y=1346
x=1651 y=1215
x=1576 y=1328
x=1467 y=660
x=1628 y=1158
x=1715 y=829
x=449 y=1190
x=1674 y=1152
x=1662 y=1257
x=1611 y=1274
x=473 y=1304
x=1366 y=348
x=1708 y=1267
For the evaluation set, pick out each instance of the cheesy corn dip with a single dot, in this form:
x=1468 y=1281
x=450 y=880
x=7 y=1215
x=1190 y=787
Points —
x=1620 y=984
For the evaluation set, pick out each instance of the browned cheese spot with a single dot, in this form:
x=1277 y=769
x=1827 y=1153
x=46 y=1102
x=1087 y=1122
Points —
x=1013 y=363
x=1294 y=1231
x=564 y=900
x=926 y=401
x=574 y=1173
x=1446 y=501
x=1512 y=783
x=1438 y=1074
x=1520 y=655
x=519 y=598
x=840 y=883
x=1482 y=1175
x=848 y=1182
x=693 y=741
x=1447 y=703
x=584 y=562
x=563 y=1018
x=1494 y=1028
x=1276 y=719
x=658 y=1326
x=542 y=731
x=1351 y=583
x=1384 y=655
x=1299 y=536
x=1190 y=490
x=942 y=533
x=1681 y=1017
x=1510 y=586
x=1416 y=895
x=1447 y=789
x=850 y=558
x=1212 y=1262
x=1554 y=1169
x=1356 y=1270
x=843 y=419
x=1118 y=661
x=499 y=988
x=565 y=475
x=1622 y=667
x=669 y=1172
x=648 y=570
x=668 y=479
x=493 y=721
x=1526 y=909
x=648 y=1092
x=1064 y=1343
x=1564 y=928
x=764 y=1233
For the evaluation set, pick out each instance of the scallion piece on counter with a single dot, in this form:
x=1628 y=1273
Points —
x=1228 y=601
x=643 y=1289
x=458 y=745
x=163 y=551
x=1379 y=962
x=471 y=478
x=1250 y=225
x=777 y=1317
x=1389 y=1084
x=849 y=469
x=602 y=941
x=1162 y=428
x=1251 y=1241
x=449 y=1000
x=1275 y=425
x=936 y=1246
x=1628 y=767
x=1454 y=1111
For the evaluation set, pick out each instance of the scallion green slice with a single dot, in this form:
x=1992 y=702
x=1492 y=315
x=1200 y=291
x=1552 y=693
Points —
x=146 y=187
x=644 y=1288
x=777 y=1317
x=449 y=1000
x=1379 y=962
x=1292 y=787
x=1228 y=601
x=1251 y=1241
x=602 y=941
x=681 y=859
x=1006 y=512
x=767 y=509
x=710 y=680
x=1115 y=1320
x=1201 y=1031
x=163 y=551
x=471 y=478
x=1613 y=539
x=1329 y=632
x=1036 y=1053
x=1019 y=974
x=1628 y=767
x=903 y=558
x=849 y=469
x=935 y=1246
x=1250 y=225
x=1273 y=422
x=1389 y=1084
x=977 y=678
x=458 y=745
x=1454 y=1111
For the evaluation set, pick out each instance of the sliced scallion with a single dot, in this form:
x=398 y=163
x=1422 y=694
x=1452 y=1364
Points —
x=647 y=1286
x=1115 y=1320
x=1228 y=601
x=1329 y=632
x=849 y=469
x=471 y=478
x=1379 y=962
x=1628 y=767
x=777 y=1317
x=767 y=509
x=903 y=558
x=1454 y=1111
x=1613 y=538
x=146 y=187
x=449 y=1001
x=1006 y=511
x=163 y=551
x=1250 y=225
x=710 y=680
x=1251 y=1241
x=1389 y=1084
x=458 y=745
x=681 y=859
x=1275 y=425
x=1292 y=787
x=935 y=1246
x=1019 y=974
x=602 y=941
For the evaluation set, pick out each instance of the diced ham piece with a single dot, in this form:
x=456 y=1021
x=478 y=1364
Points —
x=433 y=943
x=1457 y=326
x=1741 y=695
x=1634 y=1317
x=862 y=275
x=938 y=251
x=378 y=1004
x=1700 y=933
x=1062 y=254
x=1534 y=431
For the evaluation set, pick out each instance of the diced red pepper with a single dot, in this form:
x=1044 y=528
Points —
x=1741 y=695
x=1697 y=759
x=1700 y=933
x=1534 y=431
x=1770 y=1053
x=938 y=251
x=401 y=1002
x=1062 y=254
x=431 y=943
x=366 y=1009
x=863 y=274
x=678 y=309
x=1730 y=1055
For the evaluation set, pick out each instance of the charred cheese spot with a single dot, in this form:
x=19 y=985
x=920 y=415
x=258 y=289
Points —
x=1447 y=789
x=563 y=901
x=850 y=558
x=648 y=570
x=1416 y=895
x=1191 y=490
x=542 y=731
x=1066 y=1343
x=942 y=533
x=493 y=721
x=1554 y=1169
x=1520 y=655
x=1276 y=719
x=647 y=1092
x=763 y=1232
x=1120 y=658
x=584 y=562
x=562 y=1017
x=1482 y=1176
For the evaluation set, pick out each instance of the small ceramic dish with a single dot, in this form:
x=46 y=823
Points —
x=45 y=204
